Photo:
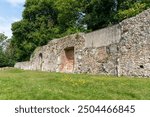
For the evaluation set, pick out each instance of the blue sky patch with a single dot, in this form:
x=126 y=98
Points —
x=10 y=11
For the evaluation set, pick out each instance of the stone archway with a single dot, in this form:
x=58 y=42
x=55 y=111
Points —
x=67 y=61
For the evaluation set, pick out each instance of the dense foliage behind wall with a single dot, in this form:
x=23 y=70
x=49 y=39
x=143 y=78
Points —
x=44 y=20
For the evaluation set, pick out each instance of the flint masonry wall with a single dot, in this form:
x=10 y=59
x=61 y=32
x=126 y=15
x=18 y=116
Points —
x=59 y=55
x=56 y=55
x=134 y=46
x=101 y=51
x=122 y=49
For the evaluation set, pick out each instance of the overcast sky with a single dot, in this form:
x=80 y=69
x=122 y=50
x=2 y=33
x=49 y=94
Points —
x=10 y=11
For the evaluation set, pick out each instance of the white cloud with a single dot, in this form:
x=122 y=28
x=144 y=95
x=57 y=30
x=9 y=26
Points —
x=5 y=26
x=16 y=2
x=6 y=29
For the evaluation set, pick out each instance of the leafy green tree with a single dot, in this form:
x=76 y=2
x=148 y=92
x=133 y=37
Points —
x=101 y=13
x=2 y=37
x=2 y=58
x=98 y=13
x=69 y=14
x=35 y=29
x=5 y=57
x=129 y=8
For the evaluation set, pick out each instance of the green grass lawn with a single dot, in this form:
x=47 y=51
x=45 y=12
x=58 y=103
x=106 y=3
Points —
x=19 y=84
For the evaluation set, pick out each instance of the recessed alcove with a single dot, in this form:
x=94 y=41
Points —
x=40 y=60
x=67 y=60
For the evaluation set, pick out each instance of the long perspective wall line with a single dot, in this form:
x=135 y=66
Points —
x=122 y=49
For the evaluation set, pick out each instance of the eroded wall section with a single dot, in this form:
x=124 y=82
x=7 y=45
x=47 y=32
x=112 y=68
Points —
x=122 y=49
x=59 y=55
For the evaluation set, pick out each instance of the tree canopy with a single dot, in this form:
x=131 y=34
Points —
x=44 y=20
x=2 y=37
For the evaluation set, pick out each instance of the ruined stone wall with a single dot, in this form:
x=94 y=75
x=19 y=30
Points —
x=122 y=49
x=100 y=60
x=52 y=57
x=23 y=65
x=134 y=47
x=55 y=56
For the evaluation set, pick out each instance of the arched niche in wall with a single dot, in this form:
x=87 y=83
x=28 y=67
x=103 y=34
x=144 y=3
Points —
x=40 y=60
x=67 y=60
